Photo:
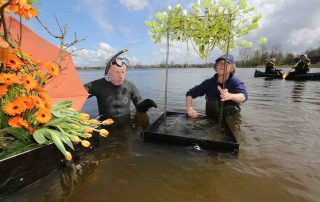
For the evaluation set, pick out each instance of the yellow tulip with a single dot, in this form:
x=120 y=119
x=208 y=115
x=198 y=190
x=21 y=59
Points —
x=104 y=132
x=94 y=122
x=86 y=135
x=87 y=129
x=107 y=122
x=75 y=138
x=84 y=116
x=68 y=156
x=75 y=126
x=85 y=143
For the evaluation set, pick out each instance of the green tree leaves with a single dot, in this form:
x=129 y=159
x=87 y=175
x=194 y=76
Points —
x=207 y=25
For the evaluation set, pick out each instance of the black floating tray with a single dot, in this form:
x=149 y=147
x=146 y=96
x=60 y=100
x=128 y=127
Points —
x=178 y=129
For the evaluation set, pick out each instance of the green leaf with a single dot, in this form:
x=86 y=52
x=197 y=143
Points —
x=262 y=40
x=56 y=140
x=18 y=133
x=39 y=135
x=56 y=113
x=55 y=121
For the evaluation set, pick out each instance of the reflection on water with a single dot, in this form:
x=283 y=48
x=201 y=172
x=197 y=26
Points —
x=277 y=129
x=297 y=92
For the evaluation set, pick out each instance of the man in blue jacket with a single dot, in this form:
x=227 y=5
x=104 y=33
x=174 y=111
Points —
x=233 y=94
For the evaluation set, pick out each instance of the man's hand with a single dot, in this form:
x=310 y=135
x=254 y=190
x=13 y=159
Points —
x=192 y=113
x=145 y=105
x=224 y=94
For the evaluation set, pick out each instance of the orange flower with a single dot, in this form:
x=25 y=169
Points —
x=37 y=101
x=84 y=116
x=9 y=79
x=104 y=132
x=43 y=96
x=14 y=62
x=17 y=122
x=28 y=82
x=30 y=129
x=88 y=129
x=48 y=104
x=23 y=9
x=28 y=102
x=43 y=115
x=85 y=143
x=14 y=108
x=68 y=156
x=94 y=122
x=52 y=68
x=107 y=122
x=3 y=90
x=41 y=76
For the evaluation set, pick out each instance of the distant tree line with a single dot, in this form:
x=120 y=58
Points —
x=249 y=57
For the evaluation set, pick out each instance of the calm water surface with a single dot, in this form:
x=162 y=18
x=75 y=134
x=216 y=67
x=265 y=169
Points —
x=278 y=132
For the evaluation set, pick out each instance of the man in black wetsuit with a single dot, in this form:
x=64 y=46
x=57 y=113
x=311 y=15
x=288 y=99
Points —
x=114 y=93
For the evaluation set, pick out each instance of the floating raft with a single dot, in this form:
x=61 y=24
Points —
x=177 y=129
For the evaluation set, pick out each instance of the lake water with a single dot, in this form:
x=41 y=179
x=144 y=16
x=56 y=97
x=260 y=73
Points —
x=278 y=131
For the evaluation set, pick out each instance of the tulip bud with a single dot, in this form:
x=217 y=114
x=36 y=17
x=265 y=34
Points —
x=68 y=156
x=86 y=135
x=84 y=116
x=94 y=122
x=104 y=132
x=87 y=129
x=75 y=138
x=107 y=122
x=85 y=143
x=75 y=126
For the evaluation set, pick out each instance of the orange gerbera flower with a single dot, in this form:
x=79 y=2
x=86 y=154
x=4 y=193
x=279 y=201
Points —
x=18 y=122
x=23 y=9
x=28 y=102
x=37 y=101
x=14 y=108
x=9 y=79
x=43 y=96
x=43 y=115
x=14 y=62
x=39 y=88
x=48 y=104
x=28 y=82
x=52 y=68
x=41 y=76
x=3 y=90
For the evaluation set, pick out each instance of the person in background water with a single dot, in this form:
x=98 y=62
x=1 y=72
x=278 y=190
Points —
x=114 y=93
x=302 y=67
x=232 y=95
x=271 y=69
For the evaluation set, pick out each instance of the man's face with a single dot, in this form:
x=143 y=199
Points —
x=117 y=74
x=220 y=67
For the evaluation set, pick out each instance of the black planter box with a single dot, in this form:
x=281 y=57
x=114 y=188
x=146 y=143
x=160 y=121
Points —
x=177 y=129
x=25 y=168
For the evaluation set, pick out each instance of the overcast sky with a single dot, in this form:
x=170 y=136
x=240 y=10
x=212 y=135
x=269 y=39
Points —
x=111 y=25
